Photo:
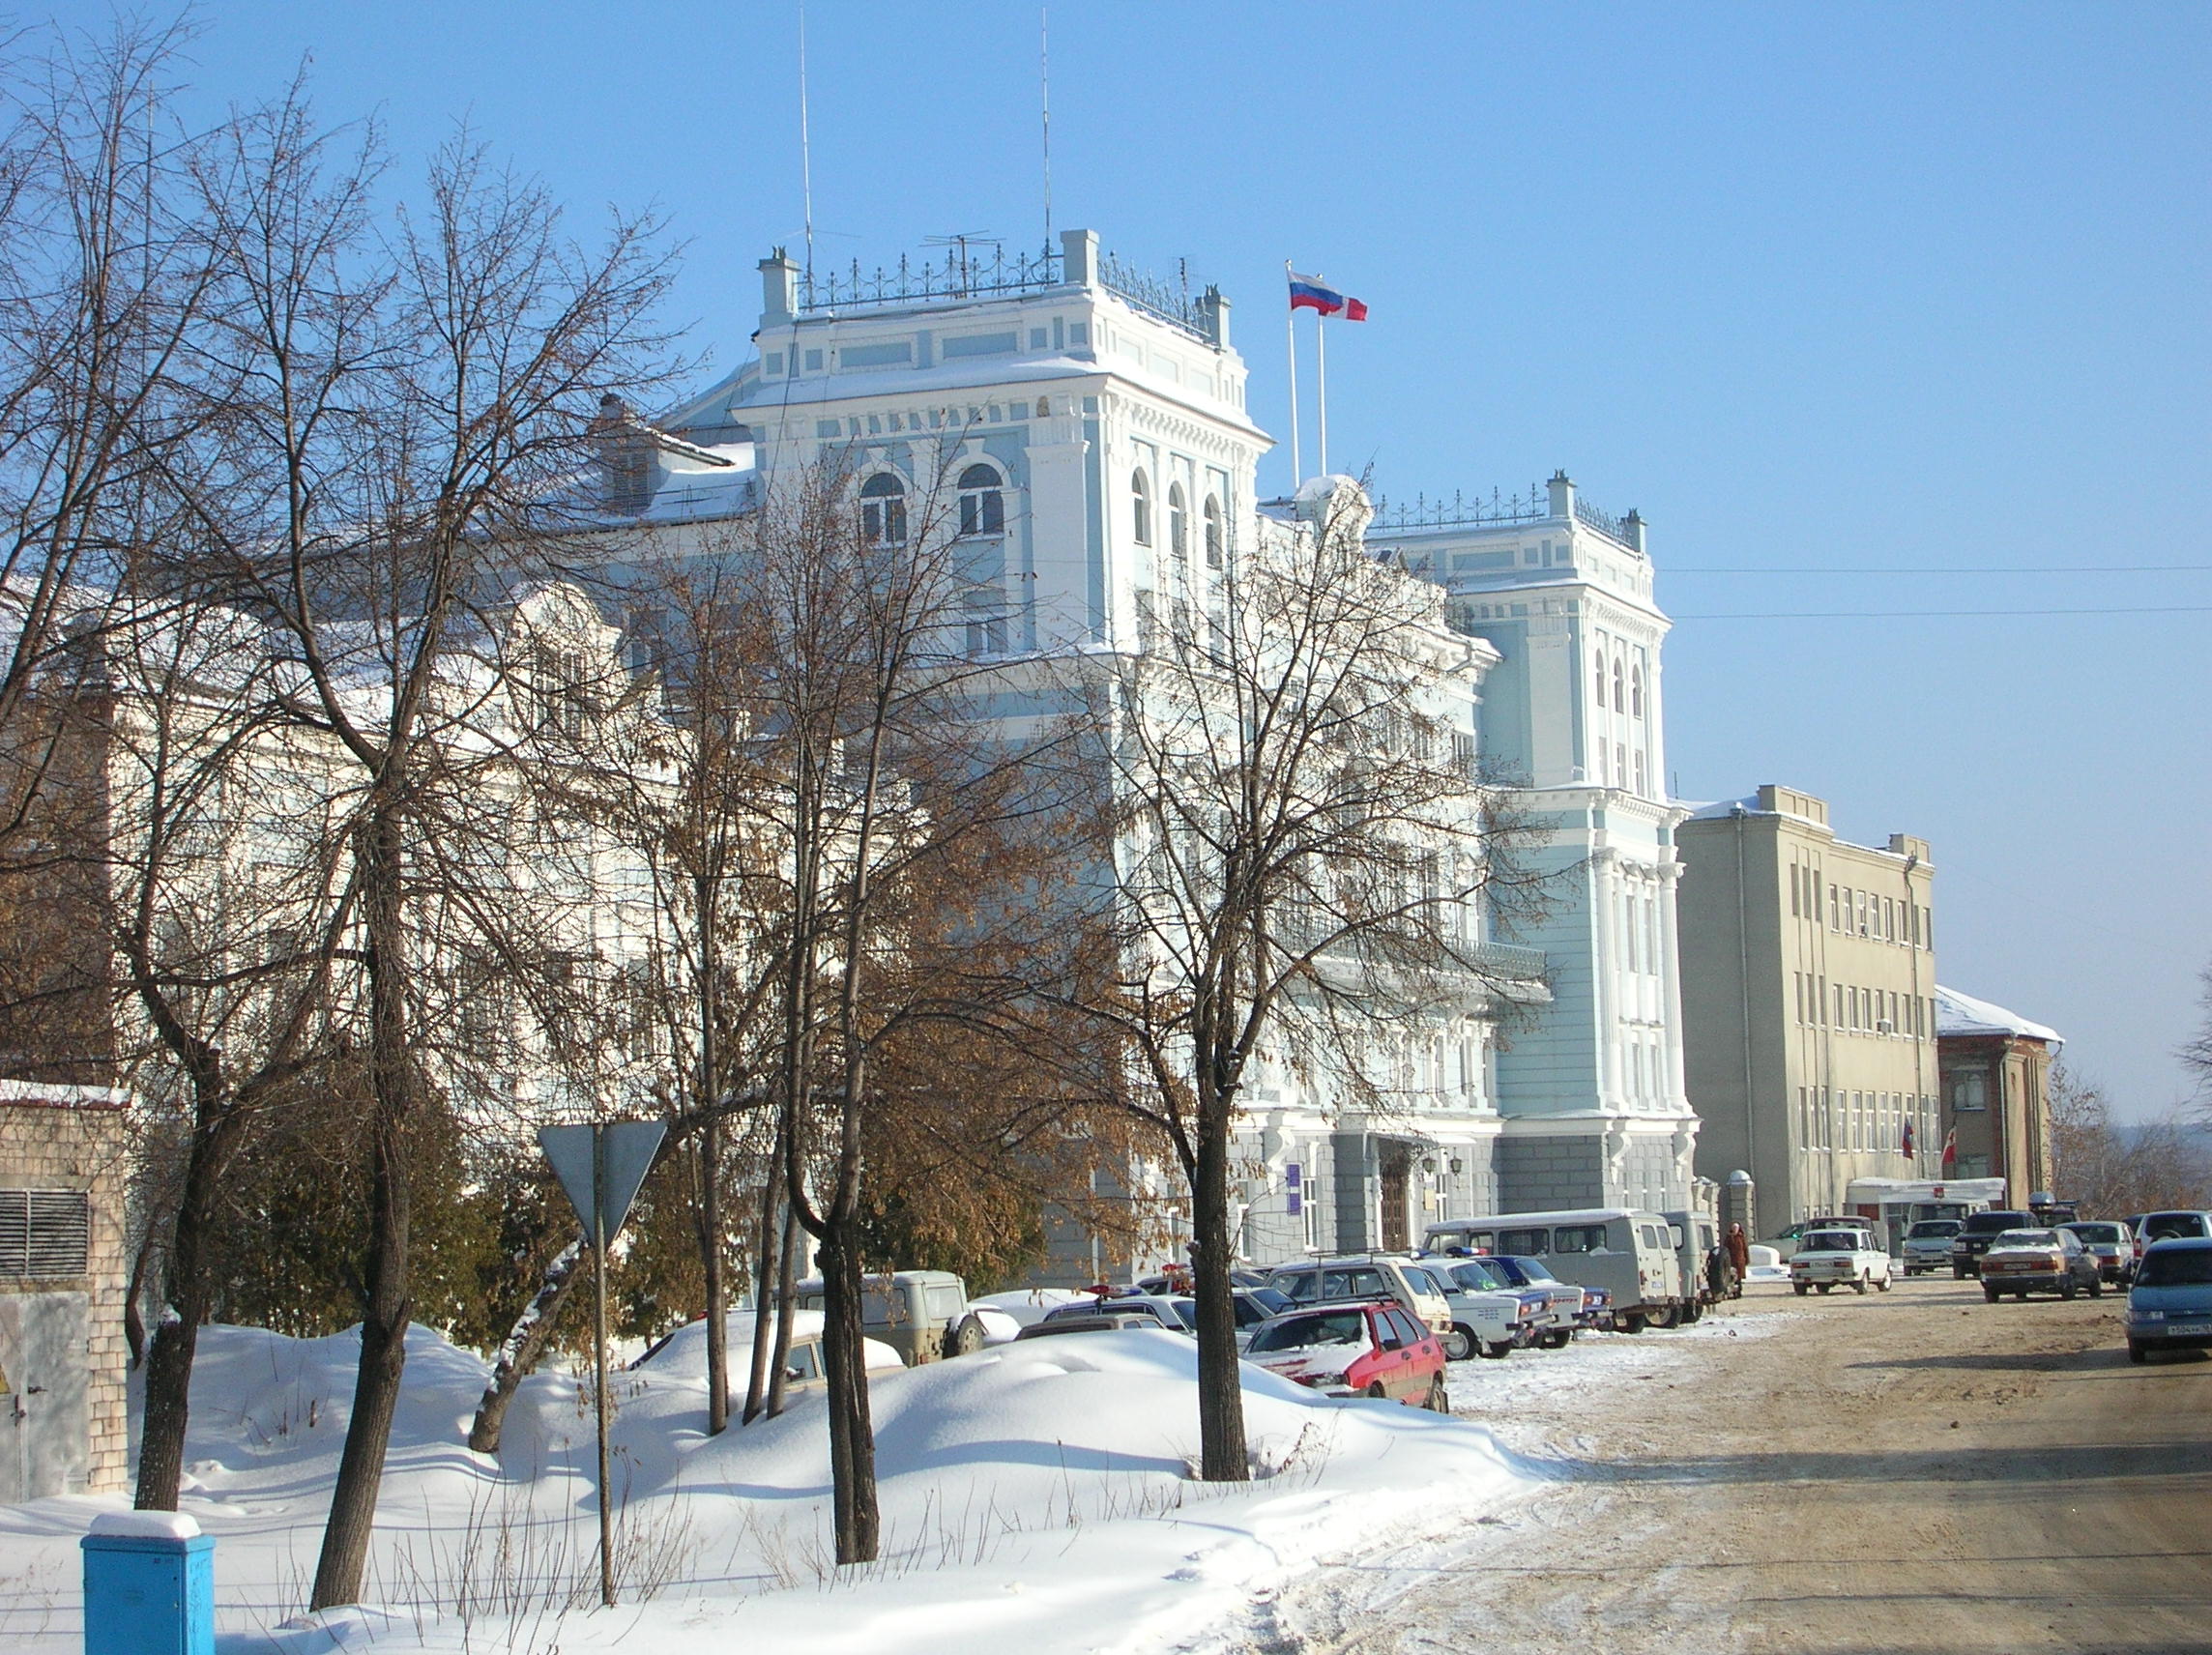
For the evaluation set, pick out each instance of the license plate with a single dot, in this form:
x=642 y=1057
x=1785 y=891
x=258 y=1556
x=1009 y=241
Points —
x=2190 y=1329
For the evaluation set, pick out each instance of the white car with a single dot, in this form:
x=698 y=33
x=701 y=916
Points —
x=1827 y=1259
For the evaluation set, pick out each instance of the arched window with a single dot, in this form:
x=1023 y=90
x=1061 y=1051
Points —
x=883 y=509
x=1619 y=687
x=1140 y=506
x=982 y=502
x=1213 y=533
x=1635 y=690
x=1601 y=681
x=1179 y=526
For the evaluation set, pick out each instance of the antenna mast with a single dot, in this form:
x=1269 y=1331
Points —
x=1044 y=99
x=805 y=151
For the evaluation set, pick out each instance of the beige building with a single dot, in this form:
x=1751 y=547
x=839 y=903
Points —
x=1808 y=974
x=62 y=1270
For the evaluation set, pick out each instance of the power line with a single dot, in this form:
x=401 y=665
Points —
x=2067 y=569
x=1936 y=613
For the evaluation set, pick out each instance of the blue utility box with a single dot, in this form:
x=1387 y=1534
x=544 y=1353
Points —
x=149 y=1585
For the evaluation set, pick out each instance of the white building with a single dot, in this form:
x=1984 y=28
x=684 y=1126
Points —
x=1094 y=425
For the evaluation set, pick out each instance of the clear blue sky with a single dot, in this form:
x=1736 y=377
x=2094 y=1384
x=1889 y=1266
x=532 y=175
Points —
x=1816 y=288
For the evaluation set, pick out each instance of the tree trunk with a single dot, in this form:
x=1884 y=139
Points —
x=390 y=1306
x=1222 y=1452
x=786 y=1306
x=711 y=1262
x=177 y=1331
x=851 y=1430
x=518 y=1354
x=763 y=1276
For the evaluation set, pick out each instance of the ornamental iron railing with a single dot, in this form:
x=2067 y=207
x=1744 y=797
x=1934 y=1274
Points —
x=976 y=268
x=1460 y=511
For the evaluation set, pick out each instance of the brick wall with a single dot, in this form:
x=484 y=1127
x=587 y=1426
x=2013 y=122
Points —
x=72 y=1138
x=1549 y=1174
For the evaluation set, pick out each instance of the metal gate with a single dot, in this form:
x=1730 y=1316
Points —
x=44 y=1425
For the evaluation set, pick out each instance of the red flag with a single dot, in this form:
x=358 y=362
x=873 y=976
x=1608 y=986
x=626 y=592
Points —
x=1951 y=1148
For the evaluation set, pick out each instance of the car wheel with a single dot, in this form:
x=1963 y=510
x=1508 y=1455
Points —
x=2097 y=1288
x=1499 y=1349
x=1440 y=1399
x=2067 y=1290
x=966 y=1339
x=1861 y=1284
x=1666 y=1316
x=1458 y=1345
x=1556 y=1338
x=1824 y=1286
x=1632 y=1324
x=1376 y=1391
x=1803 y=1288
x=1990 y=1294
x=2137 y=1352
x=1883 y=1283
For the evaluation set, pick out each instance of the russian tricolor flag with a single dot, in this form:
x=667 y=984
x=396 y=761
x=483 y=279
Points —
x=1311 y=293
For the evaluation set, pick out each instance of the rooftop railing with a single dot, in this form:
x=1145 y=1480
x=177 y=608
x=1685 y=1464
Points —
x=984 y=270
x=1459 y=511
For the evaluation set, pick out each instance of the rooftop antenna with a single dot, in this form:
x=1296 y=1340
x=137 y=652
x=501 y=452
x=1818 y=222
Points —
x=805 y=152
x=1044 y=99
x=959 y=241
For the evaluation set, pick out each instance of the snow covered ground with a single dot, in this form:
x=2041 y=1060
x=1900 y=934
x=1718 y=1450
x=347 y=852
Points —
x=1035 y=1495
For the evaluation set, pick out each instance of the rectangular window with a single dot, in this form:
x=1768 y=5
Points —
x=1793 y=882
x=1835 y=920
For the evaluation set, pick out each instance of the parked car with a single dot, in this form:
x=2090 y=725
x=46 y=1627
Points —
x=1976 y=1233
x=1564 y=1301
x=1160 y=1308
x=2112 y=1244
x=1785 y=1243
x=1927 y=1245
x=2175 y=1225
x=2169 y=1307
x=2022 y=1261
x=1366 y=1275
x=1095 y=1321
x=1628 y=1252
x=920 y=1313
x=684 y=1353
x=1489 y=1315
x=1830 y=1259
x=1366 y=1348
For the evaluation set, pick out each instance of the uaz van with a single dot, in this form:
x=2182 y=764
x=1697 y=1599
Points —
x=1631 y=1253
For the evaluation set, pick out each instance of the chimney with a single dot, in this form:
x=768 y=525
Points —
x=1562 y=488
x=1634 y=524
x=780 y=290
x=1079 y=257
x=1214 y=318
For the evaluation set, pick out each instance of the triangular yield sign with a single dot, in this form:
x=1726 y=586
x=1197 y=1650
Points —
x=625 y=1155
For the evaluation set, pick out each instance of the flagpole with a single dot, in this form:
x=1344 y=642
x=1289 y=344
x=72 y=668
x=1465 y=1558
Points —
x=1321 y=373
x=1291 y=336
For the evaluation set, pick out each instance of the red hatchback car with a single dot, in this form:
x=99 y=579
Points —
x=1360 y=1348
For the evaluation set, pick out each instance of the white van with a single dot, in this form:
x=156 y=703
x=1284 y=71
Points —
x=1631 y=1253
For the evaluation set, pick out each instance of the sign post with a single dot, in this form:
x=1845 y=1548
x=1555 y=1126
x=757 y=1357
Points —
x=601 y=1167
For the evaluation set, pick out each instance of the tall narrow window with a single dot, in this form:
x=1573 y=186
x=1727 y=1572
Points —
x=1619 y=690
x=883 y=509
x=1213 y=533
x=1636 y=691
x=982 y=502
x=1640 y=772
x=1178 y=527
x=1140 y=508
x=1601 y=680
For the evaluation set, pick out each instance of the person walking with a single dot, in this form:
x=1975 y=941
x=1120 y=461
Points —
x=1737 y=1246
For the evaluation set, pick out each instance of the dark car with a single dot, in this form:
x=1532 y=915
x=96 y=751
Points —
x=1978 y=1231
x=2170 y=1305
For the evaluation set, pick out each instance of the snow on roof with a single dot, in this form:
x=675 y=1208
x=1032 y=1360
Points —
x=1961 y=1014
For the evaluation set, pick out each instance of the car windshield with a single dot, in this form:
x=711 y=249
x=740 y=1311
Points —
x=2104 y=1234
x=1473 y=1276
x=2027 y=1238
x=1324 y=1328
x=1931 y=1229
x=1985 y=1223
x=1832 y=1241
x=1530 y=1270
x=2178 y=1268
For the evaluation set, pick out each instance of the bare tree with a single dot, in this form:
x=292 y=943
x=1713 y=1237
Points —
x=2114 y=1168
x=412 y=409
x=2197 y=1050
x=1306 y=852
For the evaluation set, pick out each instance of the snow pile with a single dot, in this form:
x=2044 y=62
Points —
x=1037 y=1492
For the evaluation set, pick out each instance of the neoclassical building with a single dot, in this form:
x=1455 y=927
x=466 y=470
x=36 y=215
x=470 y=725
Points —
x=1089 y=429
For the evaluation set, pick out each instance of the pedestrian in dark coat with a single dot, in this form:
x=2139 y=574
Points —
x=1737 y=1246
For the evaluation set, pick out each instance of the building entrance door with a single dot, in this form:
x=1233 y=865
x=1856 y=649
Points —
x=1395 y=1168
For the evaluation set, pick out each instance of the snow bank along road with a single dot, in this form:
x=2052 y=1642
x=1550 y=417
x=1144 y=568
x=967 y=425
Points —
x=1920 y=1473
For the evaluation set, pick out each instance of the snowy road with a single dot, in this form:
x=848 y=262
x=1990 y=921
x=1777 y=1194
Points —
x=1915 y=1475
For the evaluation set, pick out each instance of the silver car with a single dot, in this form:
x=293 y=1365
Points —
x=1927 y=1246
x=2112 y=1244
